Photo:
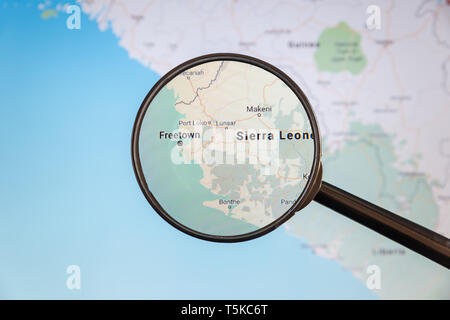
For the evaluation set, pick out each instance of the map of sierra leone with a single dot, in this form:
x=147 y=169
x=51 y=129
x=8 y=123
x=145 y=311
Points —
x=236 y=138
x=381 y=98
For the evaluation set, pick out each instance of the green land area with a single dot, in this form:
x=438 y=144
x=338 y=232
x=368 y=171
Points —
x=49 y=13
x=366 y=166
x=177 y=187
x=340 y=50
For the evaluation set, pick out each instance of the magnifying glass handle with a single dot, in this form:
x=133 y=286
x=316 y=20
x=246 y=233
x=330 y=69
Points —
x=413 y=236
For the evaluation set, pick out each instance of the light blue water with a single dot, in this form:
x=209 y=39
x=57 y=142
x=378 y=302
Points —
x=68 y=194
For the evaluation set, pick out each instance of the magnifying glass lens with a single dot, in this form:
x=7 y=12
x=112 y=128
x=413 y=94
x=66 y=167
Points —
x=224 y=148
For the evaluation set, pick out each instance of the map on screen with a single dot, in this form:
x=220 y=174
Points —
x=381 y=96
x=231 y=142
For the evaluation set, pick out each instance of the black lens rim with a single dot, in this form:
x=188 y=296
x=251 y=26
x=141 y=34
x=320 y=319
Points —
x=299 y=203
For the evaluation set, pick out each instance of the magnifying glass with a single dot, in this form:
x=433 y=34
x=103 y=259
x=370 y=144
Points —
x=226 y=148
